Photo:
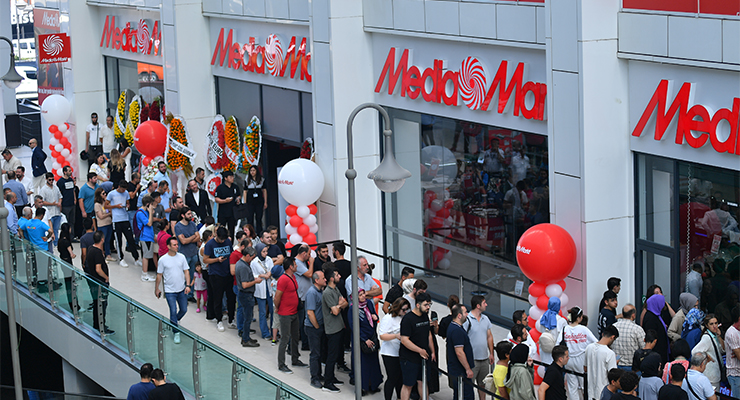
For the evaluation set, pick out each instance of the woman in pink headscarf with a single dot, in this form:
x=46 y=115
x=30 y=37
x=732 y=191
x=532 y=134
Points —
x=370 y=344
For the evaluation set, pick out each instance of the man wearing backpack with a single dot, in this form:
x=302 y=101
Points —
x=478 y=327
x=145 y=233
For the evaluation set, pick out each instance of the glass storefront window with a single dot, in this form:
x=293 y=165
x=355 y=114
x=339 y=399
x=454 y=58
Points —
x=687 y=214
x=145 y=80
x=475 y=189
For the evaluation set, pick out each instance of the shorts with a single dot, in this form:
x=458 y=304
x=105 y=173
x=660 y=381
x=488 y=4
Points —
x=480 y=371
x=411 y=372
x=148 y=249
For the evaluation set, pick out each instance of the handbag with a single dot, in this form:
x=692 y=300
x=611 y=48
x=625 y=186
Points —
x=366 y=349
x=241 y=211
x=722 y=368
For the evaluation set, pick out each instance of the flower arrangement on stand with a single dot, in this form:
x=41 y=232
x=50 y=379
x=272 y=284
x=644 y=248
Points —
x=179 y=155
x=144 y=114
x=133 y=120
x=119 y=123
x=251 y=150
x=232 y=147
x=148 y=172
x=216 y=157
x=307 y=150
x=155 y=109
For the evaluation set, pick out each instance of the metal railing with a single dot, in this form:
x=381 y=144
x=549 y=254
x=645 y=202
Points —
x=7 y=391
x=196 y=365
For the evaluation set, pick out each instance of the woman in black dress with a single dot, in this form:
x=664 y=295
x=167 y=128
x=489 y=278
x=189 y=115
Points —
x=653 y=320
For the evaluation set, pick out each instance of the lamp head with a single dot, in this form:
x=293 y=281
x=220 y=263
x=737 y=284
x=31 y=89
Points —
x=12 y=78
x=389 y=176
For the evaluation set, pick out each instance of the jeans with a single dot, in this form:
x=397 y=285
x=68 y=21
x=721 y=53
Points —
x=334 y=349
x=289 y=331
x=314 y=340
x=175 y=301
x=246 y=306
x=734 y=384
x=265 y=306
x=192 y=262
x=108 y=231
x=239 y=311
x=223 y=285
x=123 y=229
x=131 y=216
x=55 y=223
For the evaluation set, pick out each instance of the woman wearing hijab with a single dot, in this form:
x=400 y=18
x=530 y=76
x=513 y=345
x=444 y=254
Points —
x=554 y=324
x=520 y=376
x=667 y=312
x=650 y=383
x=653 y=320
x=692 y=327
x=262 y=267
x=688 y=301
x=681 y=354
x=371 y=376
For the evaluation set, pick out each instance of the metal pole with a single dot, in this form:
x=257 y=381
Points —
x=7 y=269
x=459 y=388
x=424 y=388
x=351 y=174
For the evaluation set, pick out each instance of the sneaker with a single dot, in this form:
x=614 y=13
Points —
x=152 y=277
x=220 y=326
x=343 y=368
x=177 y=338
x=250 y=343
x=316 y=384
x=109 y=331
x=123 y=264
x=337 y=382
x=232 y=325
x=239 y=333
x=111 y=259
x=211 y=320
x=139 y=263
x=330 y=388
x=273 y=342
x=299 y=363
x=197 y=310
x=284 y=368
x=144 y=277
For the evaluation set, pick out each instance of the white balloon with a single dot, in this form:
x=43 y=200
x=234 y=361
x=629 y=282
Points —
x=448 y=255
x=62 y=128
x=290 y=229
x=296 y=239
x=303 y=212
x=444 y=264
x=564 y=300
x=541 y=371
x=66 y=153
x=301 y=182
x=535 y=312
x=532 y=300
x=436 y=205
x=60 y=173
x=553 y=290
x=58 y=147
x=67 y=134
x=56 y=165
x=55 y=109
x=53 y=141
x=313 y=228
x=310 y=220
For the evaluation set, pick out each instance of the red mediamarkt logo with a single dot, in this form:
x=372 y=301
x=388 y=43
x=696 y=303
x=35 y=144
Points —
x=54 y=48
x=469 y=84
x=695 y=124
x=267 y=59
x=137 y=39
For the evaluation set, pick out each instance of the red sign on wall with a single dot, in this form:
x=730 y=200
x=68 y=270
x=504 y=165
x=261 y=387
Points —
x=719 y=7
x=54 y=48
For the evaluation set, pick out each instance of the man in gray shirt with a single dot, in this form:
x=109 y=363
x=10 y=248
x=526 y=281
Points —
x=314 y=325
x=187 y=235
x=332 y=304
x=303 y=274
x=245 y=281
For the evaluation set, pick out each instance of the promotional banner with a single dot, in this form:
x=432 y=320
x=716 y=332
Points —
x=50 y=74
x=54 y=48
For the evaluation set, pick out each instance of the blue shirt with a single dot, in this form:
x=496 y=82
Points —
x=313 y=303
x=140 y=391
x=115 y=198
x=87 y=194
x=19 y=190
x=165 y=202
x=215 y=249
x=191 y=249
x=456 y=337
x=12 y=218
x=22 y=226
x=36 y=230
x=147 y=232
x=161 y=177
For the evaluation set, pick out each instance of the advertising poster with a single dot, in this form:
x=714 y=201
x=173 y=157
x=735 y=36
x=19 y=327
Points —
x=50 y=75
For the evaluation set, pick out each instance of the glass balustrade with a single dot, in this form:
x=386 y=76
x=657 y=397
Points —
x=143 y=334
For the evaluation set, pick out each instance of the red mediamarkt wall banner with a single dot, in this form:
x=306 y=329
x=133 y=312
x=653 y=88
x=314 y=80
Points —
x=720 y=7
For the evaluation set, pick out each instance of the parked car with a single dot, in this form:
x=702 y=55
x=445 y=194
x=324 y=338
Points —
x=29 y=86
x=27 y=50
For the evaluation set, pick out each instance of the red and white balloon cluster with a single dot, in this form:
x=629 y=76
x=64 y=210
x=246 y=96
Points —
x=438 y=223
x=56 y=109
x=546 y=253
x=301 y=183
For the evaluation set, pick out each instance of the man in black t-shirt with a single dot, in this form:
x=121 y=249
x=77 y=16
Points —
x=97 y=269
x=553 y=384
x=416 y=345
x=607 y=313
x=227 y=196
x=164 y=390
x=397 y=291
x=66 y=186
x=673 y=390
x=460 y=353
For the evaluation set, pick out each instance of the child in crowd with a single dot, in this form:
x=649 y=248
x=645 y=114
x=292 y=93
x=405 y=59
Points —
x=200 y=288
x=651 y=339
x=610 y=391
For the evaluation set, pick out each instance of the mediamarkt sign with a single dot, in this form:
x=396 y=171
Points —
x=695 y=124
x=267 y=59
x=138 y=39
x=435 y=85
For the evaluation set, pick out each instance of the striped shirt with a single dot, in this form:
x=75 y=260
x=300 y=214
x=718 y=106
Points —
x=732 y=341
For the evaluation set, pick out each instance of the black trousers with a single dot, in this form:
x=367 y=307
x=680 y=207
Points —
x=221 y=285
x=209 y=301
x=124 y=229
x=334 y=350
x=96 y=286
x=230 y=223
x=255 y=209
x=395 y=378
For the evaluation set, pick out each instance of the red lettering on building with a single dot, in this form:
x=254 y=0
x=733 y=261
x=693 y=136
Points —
x=444 y=87
x=695 y=126
x=132 y=39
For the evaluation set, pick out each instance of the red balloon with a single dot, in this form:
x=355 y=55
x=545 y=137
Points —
x=310 y=238
x=55 y=154
x=546 y=253
x=288 y=245
x=67 y=124
x=291 y=210
x=537 y=289
x=542 y=302
x=54 y=171
x=64 y=142
x=449 y=203
x=60 y=159
x=303 y=230
x=562 y=284
x=531 y=321
x=535 y=334
x=53 y=129
x=296 y=221
x=51 y=148
x=537 y=378
x=58 y=135
x=66 y=163
x=150 y=138
x=443 y=213
x=313 y=209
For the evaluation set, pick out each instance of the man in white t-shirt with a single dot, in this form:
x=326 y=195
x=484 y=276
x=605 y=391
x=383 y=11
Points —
x=600 y=359
x=174 y=270
x=93 y=136
x=52 y=202
x=732 y=349
x=108 y=136
x=696 y=383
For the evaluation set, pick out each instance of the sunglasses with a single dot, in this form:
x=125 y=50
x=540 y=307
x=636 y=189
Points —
x=405 y=309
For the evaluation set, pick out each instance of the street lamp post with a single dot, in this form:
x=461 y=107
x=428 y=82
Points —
x=389 y=177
